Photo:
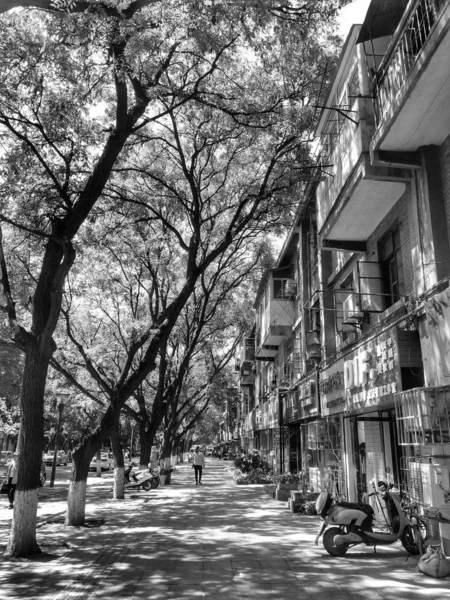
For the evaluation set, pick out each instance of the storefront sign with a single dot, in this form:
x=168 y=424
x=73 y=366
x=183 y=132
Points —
x=307 y=397
x=372 y=373
x=290 y=406
x=273 y=413
x=332 y=393
x=276 y=435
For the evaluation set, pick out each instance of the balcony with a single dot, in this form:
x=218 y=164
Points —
x=355 y=195
x=275 y=313
x=412 y=84
x=276 y=326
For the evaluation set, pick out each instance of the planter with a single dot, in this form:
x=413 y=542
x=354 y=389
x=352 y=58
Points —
x=162 y=479
x=287 y=486
x=168 y=478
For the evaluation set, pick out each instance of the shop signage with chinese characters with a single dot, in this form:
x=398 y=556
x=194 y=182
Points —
x=332 y=393
x=273 y=412
x=307 y=396
x=284 y=431
x=290 y=407
x=372 y=373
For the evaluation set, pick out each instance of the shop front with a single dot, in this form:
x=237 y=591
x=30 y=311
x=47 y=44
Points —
x=308 y=412
x=265 y=425
x=292 y=426
x=330 y=434
x=372 y=377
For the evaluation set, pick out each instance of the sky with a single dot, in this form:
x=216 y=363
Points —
x=351 y=14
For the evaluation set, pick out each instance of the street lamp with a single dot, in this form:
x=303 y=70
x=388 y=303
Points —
x=61 y=398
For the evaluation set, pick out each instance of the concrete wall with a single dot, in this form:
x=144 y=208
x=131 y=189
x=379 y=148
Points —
x=444 y=159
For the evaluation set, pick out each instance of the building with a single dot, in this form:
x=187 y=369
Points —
x=352 y=339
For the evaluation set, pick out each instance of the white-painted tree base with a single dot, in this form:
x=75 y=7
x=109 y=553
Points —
x=22 y=539
x=76 y=503
x=118 y=492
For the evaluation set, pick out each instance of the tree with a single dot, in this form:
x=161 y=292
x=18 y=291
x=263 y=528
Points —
x=127 y=285
x=143 y=62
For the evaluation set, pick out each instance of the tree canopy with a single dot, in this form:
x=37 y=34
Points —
x=184 y=124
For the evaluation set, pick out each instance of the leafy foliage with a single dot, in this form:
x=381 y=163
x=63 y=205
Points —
x=251 y=469
x=179 y=127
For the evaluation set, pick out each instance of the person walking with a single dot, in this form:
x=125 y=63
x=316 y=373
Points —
x=11 y=475
x=199 y=463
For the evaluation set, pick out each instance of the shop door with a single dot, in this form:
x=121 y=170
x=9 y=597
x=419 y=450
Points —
x=294 y=450
x=376 y=451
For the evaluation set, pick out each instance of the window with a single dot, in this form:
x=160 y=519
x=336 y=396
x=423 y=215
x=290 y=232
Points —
x=284 y=289
x=347 y=333
x=353 y=88
x=392 y=267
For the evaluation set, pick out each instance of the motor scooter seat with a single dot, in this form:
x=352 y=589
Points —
x=366 y=508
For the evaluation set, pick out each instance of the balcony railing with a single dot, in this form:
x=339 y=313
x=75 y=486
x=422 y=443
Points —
x=414 y=30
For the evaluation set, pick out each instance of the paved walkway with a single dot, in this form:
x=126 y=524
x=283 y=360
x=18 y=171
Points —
x=216 y=541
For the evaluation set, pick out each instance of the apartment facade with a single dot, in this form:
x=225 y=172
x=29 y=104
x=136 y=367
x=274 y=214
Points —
x=352 y=332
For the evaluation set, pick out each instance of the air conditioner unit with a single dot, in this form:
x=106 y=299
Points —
x=313 y=349
x=352 y=313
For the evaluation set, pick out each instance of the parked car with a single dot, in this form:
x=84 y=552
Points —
x=61 y=458
x=106 y=462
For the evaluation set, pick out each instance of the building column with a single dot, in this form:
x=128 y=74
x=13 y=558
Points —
x=432 y=218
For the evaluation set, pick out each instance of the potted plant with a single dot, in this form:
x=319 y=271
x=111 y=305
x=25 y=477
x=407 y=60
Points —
x=166 y=473
x=309 y=508
x=288 y=481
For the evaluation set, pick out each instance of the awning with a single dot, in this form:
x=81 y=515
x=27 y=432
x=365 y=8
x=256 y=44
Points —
x=382 y=18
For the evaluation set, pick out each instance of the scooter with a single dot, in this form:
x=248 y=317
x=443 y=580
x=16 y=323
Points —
x=347 y=524
x=146 y=479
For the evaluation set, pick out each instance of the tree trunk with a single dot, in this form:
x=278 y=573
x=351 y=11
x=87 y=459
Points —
x=118 y=489
x=82 y=456
x=166 y=454
x=76 y=503
x=22 y=540
x=146 y=440
x=76 y=498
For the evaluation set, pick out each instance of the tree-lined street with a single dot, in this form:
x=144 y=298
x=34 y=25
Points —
x=148 y=150
x=216 y=541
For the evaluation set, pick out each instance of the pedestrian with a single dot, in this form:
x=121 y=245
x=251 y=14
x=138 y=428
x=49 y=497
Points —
x=199 y=463
x=11 y=475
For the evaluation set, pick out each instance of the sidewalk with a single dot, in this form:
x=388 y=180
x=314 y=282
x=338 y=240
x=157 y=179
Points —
x=217 y=541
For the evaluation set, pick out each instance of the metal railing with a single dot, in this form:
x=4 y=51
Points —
x=423 y=416
x=414 y=31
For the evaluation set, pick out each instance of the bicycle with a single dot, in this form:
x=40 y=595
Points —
x=417 y=532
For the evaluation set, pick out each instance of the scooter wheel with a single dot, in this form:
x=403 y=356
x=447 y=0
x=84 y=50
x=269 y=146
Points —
x=155 y=482
x=147 y=486
x=330 y=546
x=411 y=540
